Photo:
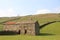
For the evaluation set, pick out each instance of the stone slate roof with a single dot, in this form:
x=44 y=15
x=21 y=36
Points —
x=21 y=22
x=10 y=23
x=27 y=21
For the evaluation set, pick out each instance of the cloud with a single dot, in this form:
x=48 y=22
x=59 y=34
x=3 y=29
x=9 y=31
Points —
x=45 y=11
x=57 y=10
x=11 y=12
x=42 y=11
x=7 y=13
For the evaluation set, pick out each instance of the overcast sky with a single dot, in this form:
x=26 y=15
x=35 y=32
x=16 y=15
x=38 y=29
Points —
x=28 y=7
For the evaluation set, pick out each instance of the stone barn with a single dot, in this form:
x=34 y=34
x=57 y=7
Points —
x=24 y=27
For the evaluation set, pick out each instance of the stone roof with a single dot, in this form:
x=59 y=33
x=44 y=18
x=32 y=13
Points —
x=10 y=23
x=27 y=21
x=21 y=22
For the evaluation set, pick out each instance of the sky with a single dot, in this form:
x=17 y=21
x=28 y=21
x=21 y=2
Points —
x=10 y=8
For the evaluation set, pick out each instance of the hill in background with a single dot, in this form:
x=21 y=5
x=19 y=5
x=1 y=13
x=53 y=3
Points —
x=41 y=18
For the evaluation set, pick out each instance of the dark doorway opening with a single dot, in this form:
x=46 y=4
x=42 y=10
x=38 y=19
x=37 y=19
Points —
x=25 y=31
x=19 y=31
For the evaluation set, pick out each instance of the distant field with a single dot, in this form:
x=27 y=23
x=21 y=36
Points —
x=48 y=32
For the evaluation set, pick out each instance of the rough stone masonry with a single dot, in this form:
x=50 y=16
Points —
x=23 y=27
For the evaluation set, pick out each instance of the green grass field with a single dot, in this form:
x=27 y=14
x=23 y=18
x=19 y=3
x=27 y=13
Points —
x=48 y=32
x=25 y=37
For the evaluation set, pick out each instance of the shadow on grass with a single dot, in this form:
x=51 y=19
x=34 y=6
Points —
x=45 y=34
x=8 y=33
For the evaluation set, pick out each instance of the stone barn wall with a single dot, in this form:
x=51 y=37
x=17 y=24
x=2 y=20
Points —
x=29 y=28
x=11 y=27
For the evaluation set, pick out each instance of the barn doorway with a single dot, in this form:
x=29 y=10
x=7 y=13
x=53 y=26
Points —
x=25 y=32
x=19 y=31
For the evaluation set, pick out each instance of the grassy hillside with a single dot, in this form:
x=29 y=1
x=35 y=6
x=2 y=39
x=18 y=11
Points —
x=43 y=18
x=48 y=32
x=53 y=28
x=2 y=19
